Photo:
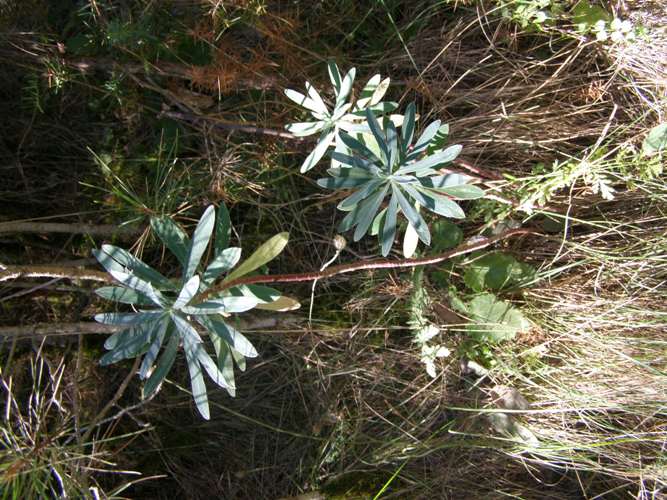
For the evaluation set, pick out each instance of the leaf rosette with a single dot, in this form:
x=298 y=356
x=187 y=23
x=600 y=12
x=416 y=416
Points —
x=344 y=114
x=407 y=172
x=166 y=310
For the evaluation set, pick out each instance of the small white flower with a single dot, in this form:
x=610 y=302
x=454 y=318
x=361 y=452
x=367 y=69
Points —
x=617 y=37
x=626 y=27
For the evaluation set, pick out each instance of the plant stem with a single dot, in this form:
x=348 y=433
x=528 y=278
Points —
x=360 y=266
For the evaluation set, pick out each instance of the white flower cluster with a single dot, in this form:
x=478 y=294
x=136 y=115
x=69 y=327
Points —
x=617 y=31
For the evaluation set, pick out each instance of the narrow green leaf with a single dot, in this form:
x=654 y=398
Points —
x=334 y=76
x=359 y=147
x=369 y=208
x=222 y=305
x=117 y=259
x=435 y=203
x=225 y=362
x=123 y=295
x=135 y=342
x=154 y=349
x=350 y=220
x=408 y=128
x=141 y=286
x=212 y=369
x=432 y=161
x=424 y=140
x=187 y=293
x=320 y=149
x=126 y=319
x=268 y=251
x=222 y=231
x=349 y=202
x=379 y=135
x=314 y=95
x=173 y=237
x=230 y=335
x=345 y=87
x=196 y=377
x=413 y=216
x=389 y=227
x=392 y=142
x=200 y=239
x=463 y=192
x=162 y=368
x=224 y=261
x=304 y=101
x=303 y=129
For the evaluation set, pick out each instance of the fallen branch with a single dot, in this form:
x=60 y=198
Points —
x=58 y=227
x=15 y=272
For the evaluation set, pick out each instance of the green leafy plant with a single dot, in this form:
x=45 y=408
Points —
x=497 y=271
x=405 y=170
x=343 y=115
x=166 y=310
x=656 y=140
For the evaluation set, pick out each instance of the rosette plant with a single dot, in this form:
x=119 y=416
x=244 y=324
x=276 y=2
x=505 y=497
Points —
x=165 y=311
x=344 y=114
x=404 y=170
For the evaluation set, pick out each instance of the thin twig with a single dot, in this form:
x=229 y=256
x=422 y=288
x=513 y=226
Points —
x=112 y=401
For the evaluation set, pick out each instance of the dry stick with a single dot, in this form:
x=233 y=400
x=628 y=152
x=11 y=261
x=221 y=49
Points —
x=372 y=264
x=57 y=227
x=14 y=272
x=57 y=329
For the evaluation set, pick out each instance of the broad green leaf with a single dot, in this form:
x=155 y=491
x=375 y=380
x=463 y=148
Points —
x=154 y=349
x=200 y=239
x=497 y=270
x=585 y=15
x=223 y=262
x=303 y=129
x=265 y=253
x=281 y=304
x=123 y=295
x=389 y=226
x=162 y=368
x=117 y=259
x=656 y=140
x=494 y=320
x=187 y=293
x=173 y=237
x=413 y=216
x=463 y=192
x=117 y=338
x=222 y=231
x=445 y=235
x=320 y=149
x=369 y=208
